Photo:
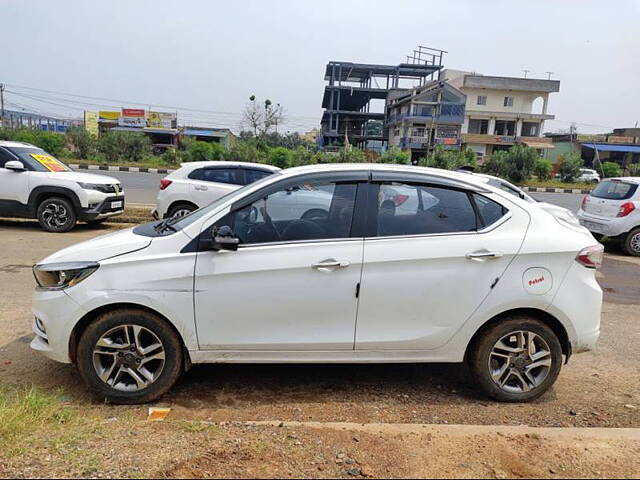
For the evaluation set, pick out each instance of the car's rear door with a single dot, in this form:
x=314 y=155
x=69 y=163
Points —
x=210 y=183
x=426 y=270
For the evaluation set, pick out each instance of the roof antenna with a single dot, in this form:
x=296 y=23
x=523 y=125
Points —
x=549 y=75
x=525 y=73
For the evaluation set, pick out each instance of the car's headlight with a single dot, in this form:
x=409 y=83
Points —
x=100 y=187
x=57 y=276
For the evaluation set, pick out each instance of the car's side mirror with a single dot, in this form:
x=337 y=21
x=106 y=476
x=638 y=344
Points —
x=15 y=166
x=224 y=239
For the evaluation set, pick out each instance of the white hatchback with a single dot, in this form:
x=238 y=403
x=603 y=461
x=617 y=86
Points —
x=197 y=184
x=612 y=209
x=330 y=263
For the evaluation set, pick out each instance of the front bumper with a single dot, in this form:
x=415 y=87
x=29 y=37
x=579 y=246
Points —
x=55 y=315
x=109 y=207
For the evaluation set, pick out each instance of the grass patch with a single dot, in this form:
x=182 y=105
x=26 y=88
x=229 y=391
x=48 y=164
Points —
x=558 y=184
x=196 y=427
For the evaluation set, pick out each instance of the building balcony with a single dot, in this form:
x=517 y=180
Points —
x=536 y=142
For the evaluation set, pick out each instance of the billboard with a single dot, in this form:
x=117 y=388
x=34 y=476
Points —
x=132 y=117
x=91 y=123
x=161 y=119
x=108 y=116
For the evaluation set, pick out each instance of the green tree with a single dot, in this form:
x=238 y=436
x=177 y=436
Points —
x=611 y=169
x=119 y=146
x=395 y=155
x=569 y=167
x=280 y=157
x=496 y=164
x=542 y=169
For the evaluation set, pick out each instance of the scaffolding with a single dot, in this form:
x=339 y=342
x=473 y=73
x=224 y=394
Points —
x=351 y=88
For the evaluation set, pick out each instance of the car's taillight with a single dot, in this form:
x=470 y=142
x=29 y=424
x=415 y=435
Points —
x=626 y=209
x=164 y=183
x=591 y=257
x=584 y=201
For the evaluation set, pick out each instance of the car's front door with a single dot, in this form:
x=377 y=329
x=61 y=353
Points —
x=14 y=187
x=433 y=257
x=292 y=283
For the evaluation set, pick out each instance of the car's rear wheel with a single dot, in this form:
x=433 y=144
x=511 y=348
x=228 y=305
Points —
x=631 y=243
x=515 y=360
x=56 y=214
x=181 y=210
x=129 y=356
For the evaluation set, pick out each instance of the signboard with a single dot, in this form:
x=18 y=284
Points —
x=132 y=117
x=161 y=119
x=107 y=116
x=91 y=123
x=616 y=139
x=446 y=131
x=50 y=163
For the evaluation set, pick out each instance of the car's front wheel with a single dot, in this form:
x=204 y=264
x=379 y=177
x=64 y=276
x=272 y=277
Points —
x=129 y=356
x=515 y=360
x=56 y=214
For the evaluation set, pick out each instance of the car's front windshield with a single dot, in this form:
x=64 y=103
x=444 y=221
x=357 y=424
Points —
x=182 y=222
x=38 y=160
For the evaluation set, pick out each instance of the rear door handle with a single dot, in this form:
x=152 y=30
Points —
x=485 y=254
x=201 y=188
x=329 y=264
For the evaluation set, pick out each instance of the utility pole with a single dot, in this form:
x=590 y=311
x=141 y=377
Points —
x=526 y=72
x=1 y=104
x=549 y=75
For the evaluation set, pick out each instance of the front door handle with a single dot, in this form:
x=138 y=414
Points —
x=327 y=265
x=484 y=254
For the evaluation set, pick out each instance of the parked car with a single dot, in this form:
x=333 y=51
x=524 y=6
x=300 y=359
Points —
x=588 y=175
x=469 y=274
x=612 y=209
x=34 y=184
x=197 y=184
x=557 y=211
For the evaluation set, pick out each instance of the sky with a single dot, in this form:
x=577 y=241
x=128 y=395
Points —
x=205 y=58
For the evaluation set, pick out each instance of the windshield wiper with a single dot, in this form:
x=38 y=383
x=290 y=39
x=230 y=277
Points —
x=164 y=225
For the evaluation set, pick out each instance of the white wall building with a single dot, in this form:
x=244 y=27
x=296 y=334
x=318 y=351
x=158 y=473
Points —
x=503 y=111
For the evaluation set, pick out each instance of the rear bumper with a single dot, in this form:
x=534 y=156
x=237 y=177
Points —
x=611 y=227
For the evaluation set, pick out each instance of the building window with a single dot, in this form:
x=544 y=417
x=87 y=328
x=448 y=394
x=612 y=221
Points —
x=508 y=101
x=417 y=132
x=396 y=132
x=478 y=126
x=506 y=128
x=482 y=100
x=530 y=129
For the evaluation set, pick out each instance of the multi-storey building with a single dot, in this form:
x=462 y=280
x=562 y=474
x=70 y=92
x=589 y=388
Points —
x=417 y=119
x=502 y=111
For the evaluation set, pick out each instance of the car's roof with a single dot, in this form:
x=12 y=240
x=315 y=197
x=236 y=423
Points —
x=10 y=143
x=261 y=166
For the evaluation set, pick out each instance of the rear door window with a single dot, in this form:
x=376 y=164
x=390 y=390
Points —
x=614 y=190
x=231 y=176
x=253 y=175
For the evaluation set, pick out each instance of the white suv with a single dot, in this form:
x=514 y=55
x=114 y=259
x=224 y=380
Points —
x=613 y=209
x=34 y=184
x=197 y=184
x=403 y=264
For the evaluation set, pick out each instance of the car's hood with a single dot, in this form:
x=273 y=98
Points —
x=82 y=177
x=100 y=248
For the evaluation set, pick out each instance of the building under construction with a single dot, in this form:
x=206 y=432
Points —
x=353 y=88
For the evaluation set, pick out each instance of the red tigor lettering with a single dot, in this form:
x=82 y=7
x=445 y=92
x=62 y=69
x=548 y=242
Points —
x=536 y=280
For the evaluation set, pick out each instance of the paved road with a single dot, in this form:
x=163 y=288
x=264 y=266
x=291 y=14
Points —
x=143 y=188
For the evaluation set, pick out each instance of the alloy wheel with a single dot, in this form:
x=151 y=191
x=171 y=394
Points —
x=55 y=215
x=182 y=212
x=634 y=242
x=520 y=361
x=128 y=357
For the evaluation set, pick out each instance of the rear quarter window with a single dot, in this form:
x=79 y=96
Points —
x=614 y=190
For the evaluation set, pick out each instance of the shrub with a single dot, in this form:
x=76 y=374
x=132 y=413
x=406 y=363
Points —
x=611 y=169
x=543 y=169
x=81 y=142
x=351 y=155
x=119 y=146
x=395 y=155
x=280 y=157
x=51 y=142
x=569 y=167
x=496 y=164
x=449 y=159
x=246 y=152
x=303 y=156
x=633 y=170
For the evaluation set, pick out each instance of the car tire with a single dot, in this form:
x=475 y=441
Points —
x=520 y=381
x=117 y=368
x=631 y=243
x=56 y=214
x=181 y=210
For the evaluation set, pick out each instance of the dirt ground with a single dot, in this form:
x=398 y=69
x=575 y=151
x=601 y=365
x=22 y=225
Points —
x=207 y=434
